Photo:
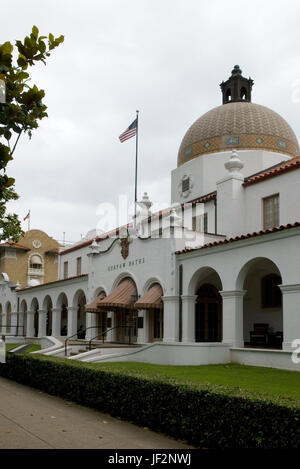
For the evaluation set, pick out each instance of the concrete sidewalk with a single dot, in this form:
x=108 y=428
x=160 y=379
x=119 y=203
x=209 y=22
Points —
x=31 y=419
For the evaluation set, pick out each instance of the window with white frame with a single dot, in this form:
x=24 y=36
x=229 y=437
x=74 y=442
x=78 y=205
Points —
x=271 y=211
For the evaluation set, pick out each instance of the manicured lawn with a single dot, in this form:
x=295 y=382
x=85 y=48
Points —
x=9 y=346
x=264 y=380
x=32 y=348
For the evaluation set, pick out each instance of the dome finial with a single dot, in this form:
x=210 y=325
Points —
x=236 y=70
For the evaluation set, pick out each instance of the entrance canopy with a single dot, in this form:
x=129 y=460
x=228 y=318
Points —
x=123 y=296
x=152 y=299
x=93 y=306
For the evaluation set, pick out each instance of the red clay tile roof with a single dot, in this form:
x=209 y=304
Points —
x=51 y=283
x=241 y=237
x=52 y=251
x=284 y=167
x=90 y=241
x=14 y=246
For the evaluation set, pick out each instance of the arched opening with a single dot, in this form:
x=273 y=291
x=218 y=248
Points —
x=103 y=318
x=228 y=95
x=8 y=318
x=262 y=304
x=80 y=302
x=206 y=284
x=62 y=304
x=35 y=269
x=128 y=317
x=244 y=95
x=36 y=262
x=120 y=304
x=35 y=309
x=48 y=306
x=208 y=314
x=151 y=316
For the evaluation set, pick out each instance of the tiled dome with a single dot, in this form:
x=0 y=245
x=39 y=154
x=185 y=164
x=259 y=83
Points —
x=241 y=125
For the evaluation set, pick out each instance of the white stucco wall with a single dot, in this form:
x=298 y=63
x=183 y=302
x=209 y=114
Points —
x=207 y=169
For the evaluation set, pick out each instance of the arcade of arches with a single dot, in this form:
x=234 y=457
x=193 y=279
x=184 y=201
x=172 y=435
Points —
x=123 y=315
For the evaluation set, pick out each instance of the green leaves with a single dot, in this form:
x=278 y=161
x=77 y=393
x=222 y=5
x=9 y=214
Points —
x=55 y=42
x=23 y=107
x=34 y=48
x=35 y=32
x=5 y=56
x=5 y=155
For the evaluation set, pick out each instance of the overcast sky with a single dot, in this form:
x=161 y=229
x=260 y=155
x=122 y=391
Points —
x=165 y=58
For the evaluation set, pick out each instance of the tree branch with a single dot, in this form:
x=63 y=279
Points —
x=16 y=142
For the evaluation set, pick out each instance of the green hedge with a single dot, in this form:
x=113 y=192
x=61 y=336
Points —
x=206 y=416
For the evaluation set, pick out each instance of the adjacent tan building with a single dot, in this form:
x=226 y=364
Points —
x=31 y=261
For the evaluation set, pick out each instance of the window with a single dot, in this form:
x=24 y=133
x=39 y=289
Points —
x=271 y=211
x=185 y=185
x=270 y=292
x=78 y=266
x=202 y=225
x=228 y=95
x=36 y=262
x=65 y=269
x=243 y=93
x=205 y=223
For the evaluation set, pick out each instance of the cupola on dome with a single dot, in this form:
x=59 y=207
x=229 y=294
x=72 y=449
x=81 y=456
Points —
x=238 y=123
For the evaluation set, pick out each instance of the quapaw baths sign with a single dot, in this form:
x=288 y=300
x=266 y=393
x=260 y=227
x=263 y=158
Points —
x=123 y=265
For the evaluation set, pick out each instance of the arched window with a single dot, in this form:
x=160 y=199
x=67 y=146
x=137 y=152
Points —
x=228 y=95
x=208 y=315
x=270 y=292
x=36 y=262
x=244 y=94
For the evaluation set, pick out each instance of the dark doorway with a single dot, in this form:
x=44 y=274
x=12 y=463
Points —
x=208 y=315
x=36 y=323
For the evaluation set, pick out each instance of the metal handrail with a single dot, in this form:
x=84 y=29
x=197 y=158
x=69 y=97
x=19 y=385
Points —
x=108 y=330
x=17 y=327
x=71 y=336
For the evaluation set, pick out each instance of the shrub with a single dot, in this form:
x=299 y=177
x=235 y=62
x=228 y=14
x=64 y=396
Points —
x=204 y=415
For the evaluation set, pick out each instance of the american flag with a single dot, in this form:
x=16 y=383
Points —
x=130 y=132
x=27 y=216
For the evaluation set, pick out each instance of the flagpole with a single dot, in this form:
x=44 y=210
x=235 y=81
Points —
x=136 y=163
x=29 y=221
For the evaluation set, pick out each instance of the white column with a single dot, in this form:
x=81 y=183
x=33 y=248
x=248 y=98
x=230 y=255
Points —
x=21 y=324
x=42 y=322
x=2 y=323
x=113 y=333
x=233 y=317
x=13 y=323
x=188 y=318
x=146 y=325
x=30 y=324
x=171 y=318
x=109 y=334
x=56 y=322
x=72 y=320
x=91 y=322
x=143 y=333
x=291 y=314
